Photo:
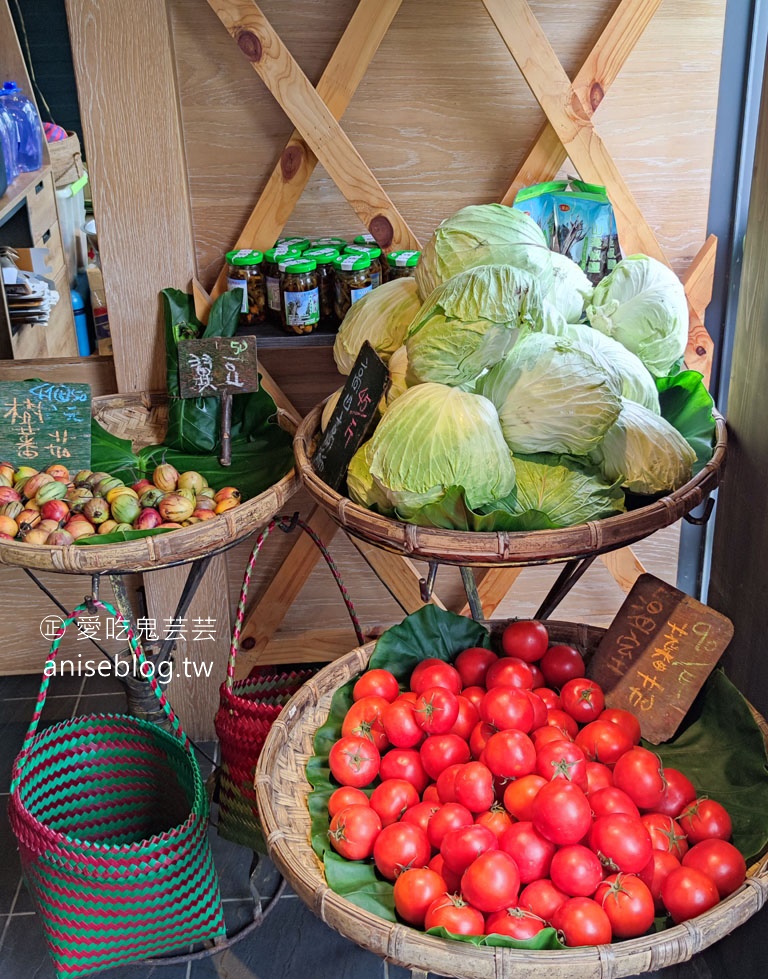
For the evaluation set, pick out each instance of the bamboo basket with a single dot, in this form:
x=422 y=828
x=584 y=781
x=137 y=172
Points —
x=142 y=418
x=281 y=795
x=506 y=548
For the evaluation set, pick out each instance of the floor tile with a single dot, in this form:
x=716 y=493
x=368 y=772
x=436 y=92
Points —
x=10 y=868
x=102 y=703
x=14 y=721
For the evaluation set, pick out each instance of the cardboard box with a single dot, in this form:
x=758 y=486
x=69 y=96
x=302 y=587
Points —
x=99 y=307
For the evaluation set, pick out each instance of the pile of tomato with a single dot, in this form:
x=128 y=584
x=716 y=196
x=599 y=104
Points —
x=503 y=797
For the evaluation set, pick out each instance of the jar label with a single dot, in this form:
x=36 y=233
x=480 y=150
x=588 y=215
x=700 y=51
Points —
x=302 y=308
x=242 y=285
x=355 y=294
x=273 y=293
x=375 y=280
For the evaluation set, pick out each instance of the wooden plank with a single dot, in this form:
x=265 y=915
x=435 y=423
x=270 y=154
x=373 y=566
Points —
x=398 y=574
x=97 y=371
x=337 y=85
x=592 y=81
x=625 y=567
x=308 y=646
x=272 y=61
x=698 y=278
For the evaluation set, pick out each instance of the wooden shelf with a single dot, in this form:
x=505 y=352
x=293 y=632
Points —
x=270 y=337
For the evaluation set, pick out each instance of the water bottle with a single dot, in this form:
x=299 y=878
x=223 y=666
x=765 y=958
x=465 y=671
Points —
x=8 y=145
x=28 y=128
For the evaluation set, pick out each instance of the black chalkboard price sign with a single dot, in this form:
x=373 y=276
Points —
x=43 y=423
x=352 y=417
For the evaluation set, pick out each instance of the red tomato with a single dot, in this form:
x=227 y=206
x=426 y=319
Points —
x=404 y=763
x=452 y=881
x=376 y=683
x=399 y=847
x=509 y=671
x=420 y=814
x=363 y=720
x=414 y=891
x=446 y=783
x=561 y=812
x=540 y=709
x=549 y=696
x=582 y=922
x=430 y=794
x=400 y=725
x=496 y=819
x=655 y=872
x=354 y=761
x=461 y=846
x=610 y=799
x=583 y=699
x=561 y=663
x=625 y=719
x=526 y=638
x=353 y=832
x=621 y=841
x=546 y=734
x=519 y=795
x=473 y=664
x=666 y=834
x=678 y=792
x=687 y=892
x=515 y=923
x=510 y=754
x=603 y=741
x=599 y=776
x=576 y=870
x=542 y=898
x=435 y=673
x=448 y=817
x=628 y=903
x=556 y=717
x=531 y=851
x=474 y=695
x=441 y=750
x=347 y=795
x=562 y=759
x=721 y=862
x=474 y=787
x=479 y=738
x=392 y=797
x=639 y=773
x=455 y=915
x=705 y=819
x=436 y=710
x=507 y=707
x=491 y=882
x=538 y=676
x=466 y=719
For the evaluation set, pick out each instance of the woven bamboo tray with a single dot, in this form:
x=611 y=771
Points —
x=143 y=418
x=504 y=547
x=281 y=794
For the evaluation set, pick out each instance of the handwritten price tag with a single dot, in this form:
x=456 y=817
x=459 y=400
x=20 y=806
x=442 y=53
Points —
x=43 y=423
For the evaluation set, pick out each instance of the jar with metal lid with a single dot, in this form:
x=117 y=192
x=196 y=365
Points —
x=244 y=273
x=272 y=259
x=329 y=241
x=293 y=241
x=374 y=253
x=351 y=280
x=402 y=263
x=324 y=258
x=300 y=295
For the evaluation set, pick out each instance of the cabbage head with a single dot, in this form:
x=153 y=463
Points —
x=484 y=234
x=551 y=396
x=435 y=437
x=381 y=317
x=469 y=322
x=642 y=304
x=644 y=452
x=571 y=289
x=362 y=487
x=398 y=365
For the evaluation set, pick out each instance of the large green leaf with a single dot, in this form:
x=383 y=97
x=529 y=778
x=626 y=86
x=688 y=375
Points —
x=545 y=939
x=119 y=536
x=686 y=404
x=111 y=454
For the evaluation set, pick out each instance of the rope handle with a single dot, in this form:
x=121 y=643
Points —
x=145 y=668
x=286 y=524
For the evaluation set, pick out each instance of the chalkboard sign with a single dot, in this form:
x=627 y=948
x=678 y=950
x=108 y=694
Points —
x=217 y=365
x=352 y=417
x=657 y=653
x=43 y=423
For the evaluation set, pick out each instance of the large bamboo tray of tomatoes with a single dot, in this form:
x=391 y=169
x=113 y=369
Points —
x=582 y=947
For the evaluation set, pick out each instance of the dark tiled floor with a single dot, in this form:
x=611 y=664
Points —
x=291 y=943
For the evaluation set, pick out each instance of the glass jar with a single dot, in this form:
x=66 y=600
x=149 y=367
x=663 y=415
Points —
x=324 y=258
x=366 y=239
x=244 y=273
x=351 y=280
x=296 y=243
x=329 y=242
x=300 y=295
x=402 y=263
x=272 y=259
x=374 y=253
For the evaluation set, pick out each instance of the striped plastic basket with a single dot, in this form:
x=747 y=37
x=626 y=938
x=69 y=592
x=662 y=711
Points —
x=111 y=818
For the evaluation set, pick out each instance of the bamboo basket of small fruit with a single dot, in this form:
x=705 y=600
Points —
x=164 y=515
x=342 y=837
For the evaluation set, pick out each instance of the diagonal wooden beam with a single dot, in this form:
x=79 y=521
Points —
x=279 y=71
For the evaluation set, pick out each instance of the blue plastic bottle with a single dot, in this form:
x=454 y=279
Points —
x=28 y=127
x=8 y=145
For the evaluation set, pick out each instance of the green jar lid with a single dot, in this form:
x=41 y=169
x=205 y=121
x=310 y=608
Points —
x=366 y=239
x=352 y=262
x=297 y=263
x=293 y=241
x=338 y=243
x=403 y=259
x=244 y=256
x=279 y=252
x=323 y=256
x=373 y=250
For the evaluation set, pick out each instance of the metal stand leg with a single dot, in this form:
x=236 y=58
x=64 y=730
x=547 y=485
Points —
x=567 y=578
x=470 y=587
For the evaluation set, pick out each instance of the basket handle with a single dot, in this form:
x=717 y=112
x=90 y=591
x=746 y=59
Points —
x=285 y=524
x=136 y=650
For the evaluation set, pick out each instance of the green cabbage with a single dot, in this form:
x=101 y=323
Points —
x=381 y=317
x=434 y=437
x=551 y=396
x=362 y=487
x=571 y=289
x=642 y=304
x=484 y=234
x=644 y=452
x=398 y=365
x=469 y=322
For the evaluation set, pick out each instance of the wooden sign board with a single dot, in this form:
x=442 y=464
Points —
x=352 y=417
x=657 y=653
x=215 y=366
x=43 y=423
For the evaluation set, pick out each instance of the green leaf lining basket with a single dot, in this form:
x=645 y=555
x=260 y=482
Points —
x=111 y=819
